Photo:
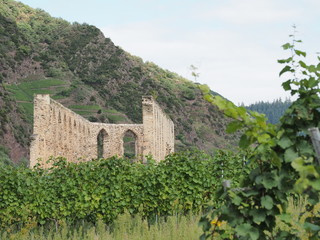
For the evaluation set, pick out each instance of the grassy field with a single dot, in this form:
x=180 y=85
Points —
x=116 y=118
x=110 y=111
x=83 y=113
x=24 y=92
x=86 y=108
x=125 y=228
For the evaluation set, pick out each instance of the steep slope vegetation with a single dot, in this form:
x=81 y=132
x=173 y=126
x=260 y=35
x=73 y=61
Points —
x=82 y=69
x=15 y=131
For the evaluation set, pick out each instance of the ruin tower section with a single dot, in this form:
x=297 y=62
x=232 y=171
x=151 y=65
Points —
x=158 y=129
x=58 y=131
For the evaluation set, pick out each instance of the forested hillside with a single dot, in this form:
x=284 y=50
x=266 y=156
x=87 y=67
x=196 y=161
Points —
x=273 y=110
x=86 y=72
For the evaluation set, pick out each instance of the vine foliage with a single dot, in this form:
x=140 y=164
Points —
x=282 y=157
x=102 y=189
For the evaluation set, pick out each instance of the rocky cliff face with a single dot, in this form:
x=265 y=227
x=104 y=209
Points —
x=91 y=70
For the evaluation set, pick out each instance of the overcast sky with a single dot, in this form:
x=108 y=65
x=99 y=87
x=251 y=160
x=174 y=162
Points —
x=234 y=43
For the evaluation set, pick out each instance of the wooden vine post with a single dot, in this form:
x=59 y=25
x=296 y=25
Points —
x=315 y=138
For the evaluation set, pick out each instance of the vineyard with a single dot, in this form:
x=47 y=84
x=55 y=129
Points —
x=103 y=189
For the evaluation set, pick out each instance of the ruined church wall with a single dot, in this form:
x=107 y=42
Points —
x=113 y=143
x=59 y=131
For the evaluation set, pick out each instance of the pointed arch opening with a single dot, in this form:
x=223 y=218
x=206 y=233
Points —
x=129 y=144
x=102 y=144
x=59 y=117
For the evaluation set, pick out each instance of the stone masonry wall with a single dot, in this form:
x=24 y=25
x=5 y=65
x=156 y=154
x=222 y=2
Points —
x=59 y=131
x=158 y=130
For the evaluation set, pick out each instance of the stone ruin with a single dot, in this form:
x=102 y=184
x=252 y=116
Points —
x=58 y=131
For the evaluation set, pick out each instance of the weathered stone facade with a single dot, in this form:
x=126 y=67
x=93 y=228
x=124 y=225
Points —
x=58 y=131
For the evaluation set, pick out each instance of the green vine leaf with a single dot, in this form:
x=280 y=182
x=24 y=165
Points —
x=311 y=226
x=267 y=202
x=300 y=53
x=287 y=46
x=270 y=180
x=244 y=142
x=290 y=155
x=286 y=69
x=234 y=126
x=259 y=215
x=246 y=230
x=302 y=64
x=285 y=60
x=286 y=85
x=285 y=142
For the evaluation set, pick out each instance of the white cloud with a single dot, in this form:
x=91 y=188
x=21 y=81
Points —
x=239 y=63
x=249 y=12
x=239 y=69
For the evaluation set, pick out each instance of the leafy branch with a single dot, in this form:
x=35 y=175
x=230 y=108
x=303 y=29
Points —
x=283 y=154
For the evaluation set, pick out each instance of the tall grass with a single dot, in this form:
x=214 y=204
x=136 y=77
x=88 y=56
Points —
x=124 y=228
x=177 y=227
x=294 y=219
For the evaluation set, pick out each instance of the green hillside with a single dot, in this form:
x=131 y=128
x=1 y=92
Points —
x=86 y=72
